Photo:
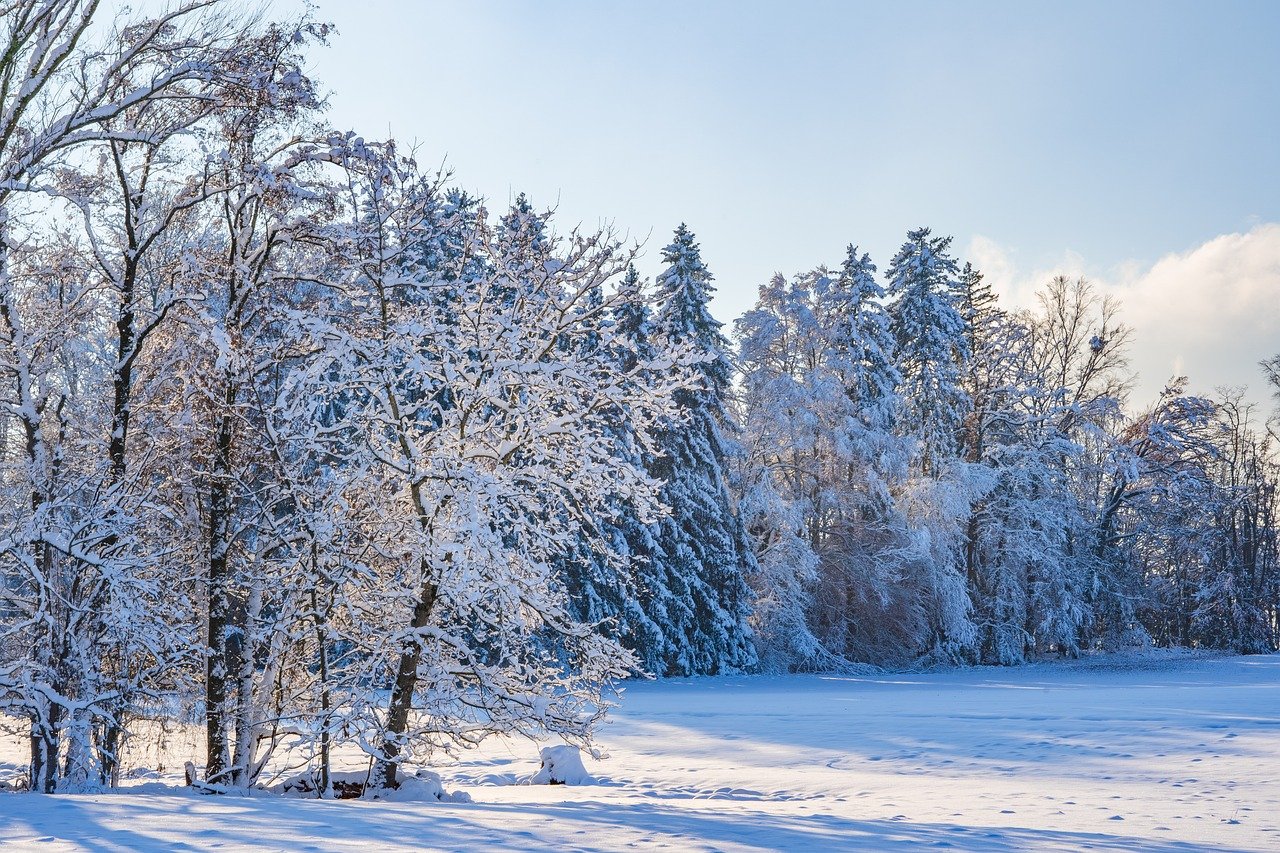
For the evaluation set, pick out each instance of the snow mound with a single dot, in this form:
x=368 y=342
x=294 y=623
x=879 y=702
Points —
x=423 y=787
x=562 y=765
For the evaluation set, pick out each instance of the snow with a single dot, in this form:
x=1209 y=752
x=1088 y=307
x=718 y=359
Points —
x=425 y=787
x=1146 y=752
x=561 y=765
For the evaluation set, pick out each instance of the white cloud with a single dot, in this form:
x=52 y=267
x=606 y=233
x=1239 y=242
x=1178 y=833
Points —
x=1017 y=288
x=1211 y=313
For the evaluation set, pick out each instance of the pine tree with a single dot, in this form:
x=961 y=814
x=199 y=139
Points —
x=609 y=576
x=932 y=352
x=860 y=355
x=526 y=249
x=932 y=345
x=705 y=551
x=994 y=563
x=861 y=342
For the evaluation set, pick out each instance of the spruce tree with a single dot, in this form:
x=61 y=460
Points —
x=932 y=354
x=861 y=344
x=932 y=347
x=705 y=551
x=613 y=577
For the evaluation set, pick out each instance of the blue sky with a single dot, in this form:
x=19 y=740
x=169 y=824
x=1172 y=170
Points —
x=1113 y=139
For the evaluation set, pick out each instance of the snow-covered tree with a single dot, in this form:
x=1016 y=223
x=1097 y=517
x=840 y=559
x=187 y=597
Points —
x=705 y=553
x=92 y=630
x=621 y=587
x=932 y=352
x=819 y=401
x=860 y=341
x=788 y=419
x=480 y=431
x=786 y=571
x=298 y=441
x=250 y=263
x=932 y=346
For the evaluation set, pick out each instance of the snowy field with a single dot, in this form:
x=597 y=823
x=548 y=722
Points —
x=1155 y=753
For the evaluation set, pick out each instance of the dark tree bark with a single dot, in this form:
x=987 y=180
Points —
x=385 y=774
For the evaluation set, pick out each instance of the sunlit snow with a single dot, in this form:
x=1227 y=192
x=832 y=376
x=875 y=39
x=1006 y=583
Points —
x=1148 y=752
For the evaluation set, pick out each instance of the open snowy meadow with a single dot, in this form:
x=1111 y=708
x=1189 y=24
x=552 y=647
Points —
x=1154 y=752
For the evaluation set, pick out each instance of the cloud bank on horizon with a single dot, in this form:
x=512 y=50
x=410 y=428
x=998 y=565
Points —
x=1210 y=313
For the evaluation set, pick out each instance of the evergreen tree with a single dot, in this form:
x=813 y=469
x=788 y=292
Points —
x=932 y=353
x=932 y=344
x=860 y=355
x=619 y=586
x=861 y=342
x=862 y=563
x=704 y=547
x=1000 y=539
x=527 y=253
x=991 y=342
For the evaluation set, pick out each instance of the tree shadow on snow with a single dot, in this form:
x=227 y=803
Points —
x=685 y=828
x=97 y=825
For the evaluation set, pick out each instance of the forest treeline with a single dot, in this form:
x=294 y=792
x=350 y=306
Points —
x=307 y=444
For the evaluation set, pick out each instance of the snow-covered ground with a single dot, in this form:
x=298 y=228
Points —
x=1155 y=753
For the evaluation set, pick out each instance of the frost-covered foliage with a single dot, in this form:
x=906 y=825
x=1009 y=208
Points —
x=932 y=347
x=703 y=555
x=819 y=401
x=285 y=421
x=306 y=444
x=971 y=485
x=480 y=424
x=620 y=587
x=786 y=569
x=100 y=124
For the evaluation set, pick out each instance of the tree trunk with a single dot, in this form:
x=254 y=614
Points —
x=109 y=749
x=322 y=660
x=217 y=673
x=35 y=768
x=385 y=771
x=241 y=660
x=121 y=399
x=48 y=767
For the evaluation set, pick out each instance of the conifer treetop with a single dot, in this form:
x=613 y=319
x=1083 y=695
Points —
x=684 y=290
